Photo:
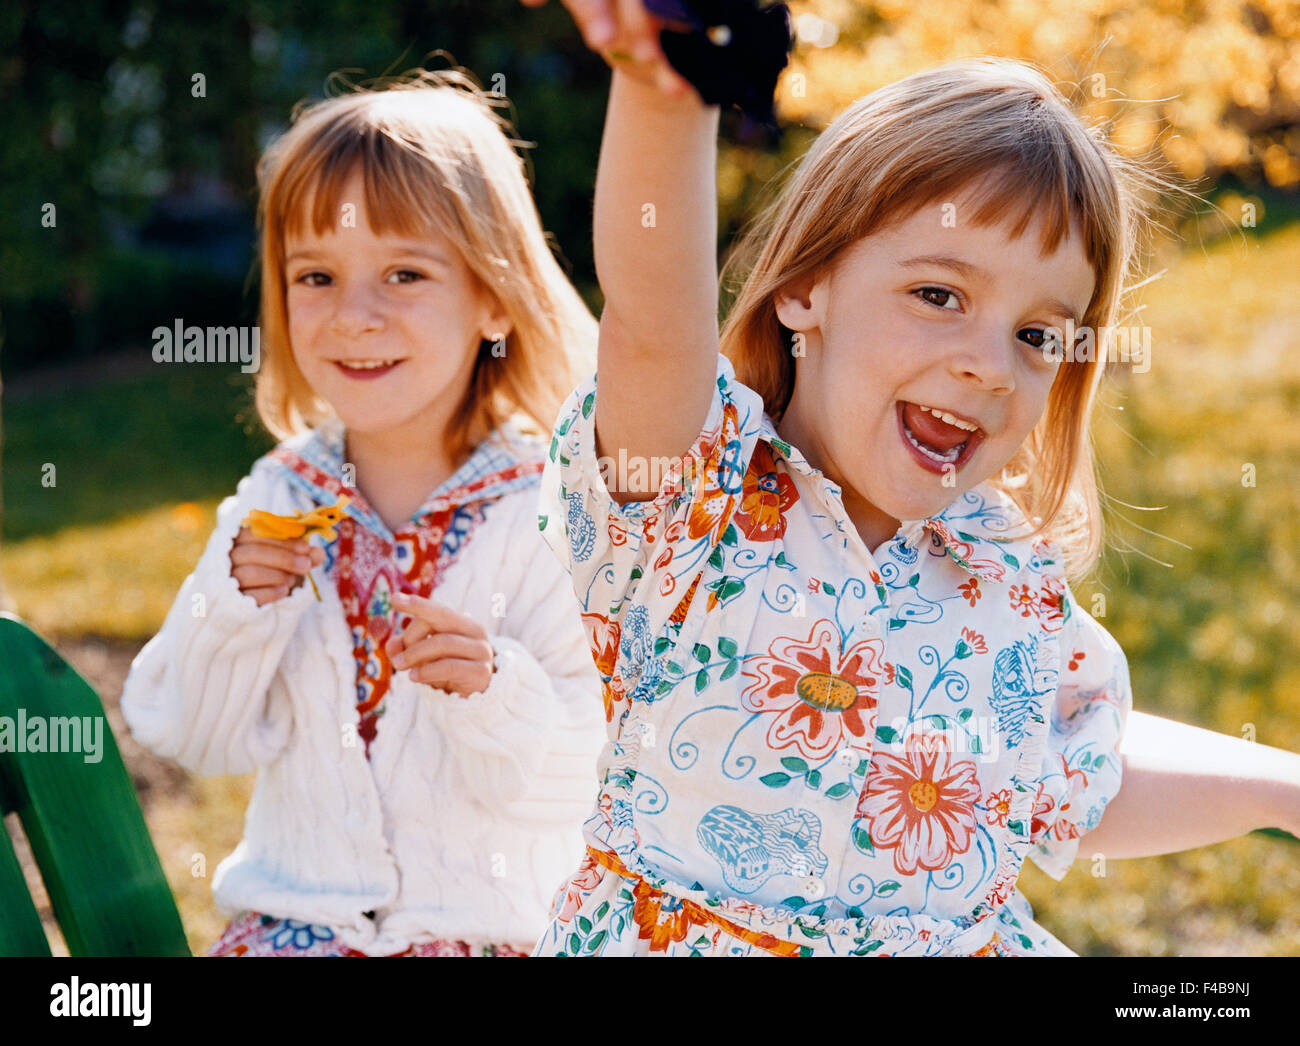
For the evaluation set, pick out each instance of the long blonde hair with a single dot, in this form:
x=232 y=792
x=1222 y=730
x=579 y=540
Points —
x=435 y=154
x=923 y=139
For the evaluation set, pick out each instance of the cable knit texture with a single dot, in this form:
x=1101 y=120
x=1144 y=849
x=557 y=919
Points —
x=466 y=817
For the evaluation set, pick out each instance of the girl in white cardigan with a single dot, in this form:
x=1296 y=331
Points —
x=426 y=731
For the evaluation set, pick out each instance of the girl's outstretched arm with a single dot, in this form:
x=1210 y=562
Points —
x=655 y=230
x=1185 y=787
x=656 y=259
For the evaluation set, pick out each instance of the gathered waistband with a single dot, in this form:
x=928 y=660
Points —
x=886 y=934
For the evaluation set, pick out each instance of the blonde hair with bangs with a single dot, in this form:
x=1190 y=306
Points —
x=435 y=155
x=925 y=139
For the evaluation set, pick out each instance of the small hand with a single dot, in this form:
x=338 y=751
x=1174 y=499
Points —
x=441 y=647
x=270 y=568
x=626 y=35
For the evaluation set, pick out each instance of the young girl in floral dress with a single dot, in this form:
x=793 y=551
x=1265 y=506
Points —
x=824 y=574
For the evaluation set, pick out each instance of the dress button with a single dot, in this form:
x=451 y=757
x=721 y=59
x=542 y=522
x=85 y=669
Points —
x=847 y=758
x=813 y=888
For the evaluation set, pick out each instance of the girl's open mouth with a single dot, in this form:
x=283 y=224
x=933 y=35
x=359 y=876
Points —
x=937 y=439
x=366 y=370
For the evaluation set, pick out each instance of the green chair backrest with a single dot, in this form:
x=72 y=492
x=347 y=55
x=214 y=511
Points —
x=80 y=814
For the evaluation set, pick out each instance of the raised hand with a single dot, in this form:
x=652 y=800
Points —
x=626 y=35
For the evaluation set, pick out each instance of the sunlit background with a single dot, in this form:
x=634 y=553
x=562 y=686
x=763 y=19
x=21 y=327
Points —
x=153 y=191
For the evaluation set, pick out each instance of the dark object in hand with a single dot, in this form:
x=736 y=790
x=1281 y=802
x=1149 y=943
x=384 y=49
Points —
x=733 y=53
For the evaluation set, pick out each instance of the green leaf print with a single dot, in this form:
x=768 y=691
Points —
x=715 y=559
x=814 y=779
x=702 y=653
x=794 y=902
x=911 y=581
x=730 y=587
x=776 y=780
x=555 y=446
x=888 y=887
x=828 y=589
x=575 y=944
x=730 y=670
x=662 y=644
x=588 y=402
x=905 y=677
x=885 y=734
x=939 y=721
x=794 y=764
x=541 y=521
x=838 y=791
x=963 y=715
x=599 y=913
x=701 y=679
x=895 y=624
x=594 y=944
x=584 y=924
x=729 y=536
x=1011 y=560
x=727 y=647
x=862 y=839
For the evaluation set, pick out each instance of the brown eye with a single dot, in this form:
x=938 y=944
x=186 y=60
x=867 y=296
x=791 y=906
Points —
x=1033 y=337
x=938 y=296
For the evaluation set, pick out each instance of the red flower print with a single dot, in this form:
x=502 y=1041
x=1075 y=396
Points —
x=974 y=640
x=1075 y=782
x=587 y=877
x=999 y=805
x=617 y=533
x=653 y=924
x=602 y=638
x=1044 y=804
x=1022 y=599
x=971 y=590
x=1001 y=889
x=889 y=671
x=711 y=510
x=766 y=496
x=921 y=805
x=1075 y=658
x=820 y=695
x=1051 y=603
x=684 y=604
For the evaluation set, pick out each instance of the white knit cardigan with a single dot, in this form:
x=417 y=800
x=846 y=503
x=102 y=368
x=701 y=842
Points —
x=467 y=817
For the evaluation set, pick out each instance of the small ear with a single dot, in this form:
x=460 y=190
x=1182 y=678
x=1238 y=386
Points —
x=794 y=304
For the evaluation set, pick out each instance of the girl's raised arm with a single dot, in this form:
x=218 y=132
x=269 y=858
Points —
x=656 y=258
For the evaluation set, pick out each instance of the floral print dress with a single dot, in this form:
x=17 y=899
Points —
x=813 y=749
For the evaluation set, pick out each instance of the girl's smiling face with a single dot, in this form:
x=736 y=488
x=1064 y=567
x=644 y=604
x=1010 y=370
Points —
x=927 y=315
x=385 y=328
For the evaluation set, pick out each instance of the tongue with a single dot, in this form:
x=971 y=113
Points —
x=933 y=432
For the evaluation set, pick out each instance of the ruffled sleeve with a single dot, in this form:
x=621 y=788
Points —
x=632 y=565
x=1082 y=766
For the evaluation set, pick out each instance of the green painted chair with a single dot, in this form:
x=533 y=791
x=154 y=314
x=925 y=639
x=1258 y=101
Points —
x=82 y=818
